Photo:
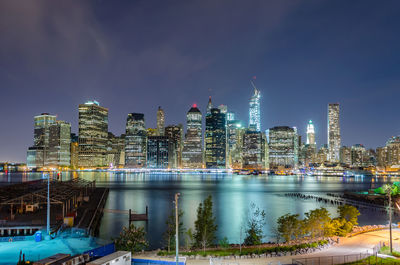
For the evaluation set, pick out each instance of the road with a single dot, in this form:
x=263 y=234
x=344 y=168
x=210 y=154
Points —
x=362 y=243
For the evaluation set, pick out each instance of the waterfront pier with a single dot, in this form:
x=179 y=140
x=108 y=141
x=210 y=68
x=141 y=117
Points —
x=74 y=203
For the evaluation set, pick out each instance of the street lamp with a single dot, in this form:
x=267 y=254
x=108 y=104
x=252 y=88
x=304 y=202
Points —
x=177 y=228
x=388 y=189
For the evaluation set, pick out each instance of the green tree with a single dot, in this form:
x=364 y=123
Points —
x=189 y=238
x=289 y=226
x=205 y=227
x=131 y=239
x=223 y=243
x=317 y=222
x=256 y=219
x=349 y=213
x=170 y=232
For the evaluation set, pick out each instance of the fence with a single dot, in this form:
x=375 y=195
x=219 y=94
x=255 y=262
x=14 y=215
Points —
x=17 y=238
x=333 y=260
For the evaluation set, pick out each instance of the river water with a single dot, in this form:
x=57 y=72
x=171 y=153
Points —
x=232 y=195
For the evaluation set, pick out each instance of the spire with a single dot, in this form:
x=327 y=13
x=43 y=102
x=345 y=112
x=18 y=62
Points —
x=209 y=106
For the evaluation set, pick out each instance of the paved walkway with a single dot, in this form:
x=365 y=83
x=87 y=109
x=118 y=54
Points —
x=347 y=246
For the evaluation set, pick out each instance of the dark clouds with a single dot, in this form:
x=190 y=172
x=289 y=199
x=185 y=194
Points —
x=133 y=56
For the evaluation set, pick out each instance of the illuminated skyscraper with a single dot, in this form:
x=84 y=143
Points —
x=192 y=152
x=230 y=116
x=38 y=154
x=334 y=140
x=283 y=147
x=358 y=155
x=74 y=150
x=159 y=149
x=135 y=141
x=59 y=145
x=310 y=133
x=93 y=133
x=254 y=111
x=115 y=151
x=160 y=121
x=254 y=151
x=215 y=139
x=209 y=106
x=175 y=135
x=234 y=139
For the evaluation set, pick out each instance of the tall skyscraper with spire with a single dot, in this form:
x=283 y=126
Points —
x=254 y=111
x=160 y=121
x=334 y=139
x=310 y=133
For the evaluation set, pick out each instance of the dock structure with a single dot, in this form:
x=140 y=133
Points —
x=23 y=205
x=138 y=217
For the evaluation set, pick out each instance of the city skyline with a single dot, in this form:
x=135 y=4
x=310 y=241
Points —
x=181 y=54
x=303 y=133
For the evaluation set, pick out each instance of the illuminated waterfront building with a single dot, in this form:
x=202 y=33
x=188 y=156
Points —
x=322 y=155
x=393 y=151
x=215 y=139
x=38 y=154
x=59 y=145
x=254 y=110
x=192 y=152
x=283 y=147
x=115 y=156
x=160 y=121
x=358 y=155
x=135 y=141
x=93 y=133
x=74 y=150
x=334 y=139
x=307 y=155
x=389 y=155
x=175 y=135
x=254 y=151
x=159 y=149
x=381 y=155
x=310 y=133
x=345 y=156
x=235 y=131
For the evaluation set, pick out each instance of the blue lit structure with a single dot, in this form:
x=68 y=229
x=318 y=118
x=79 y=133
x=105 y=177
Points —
x=254 y=111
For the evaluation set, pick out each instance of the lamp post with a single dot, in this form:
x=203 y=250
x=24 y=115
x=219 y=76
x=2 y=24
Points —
x=177 y=228
x=388 y=189
x=48 y=205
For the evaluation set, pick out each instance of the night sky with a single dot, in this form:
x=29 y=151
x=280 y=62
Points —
x=133 y=56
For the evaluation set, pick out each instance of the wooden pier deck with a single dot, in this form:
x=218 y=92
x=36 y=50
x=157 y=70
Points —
x=138 y=217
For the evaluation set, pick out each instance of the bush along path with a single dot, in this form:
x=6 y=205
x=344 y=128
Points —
x=261 y=251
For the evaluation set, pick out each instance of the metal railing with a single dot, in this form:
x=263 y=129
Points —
x=343 y=259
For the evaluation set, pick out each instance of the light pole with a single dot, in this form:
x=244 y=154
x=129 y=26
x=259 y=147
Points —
x=177 y=228
x=48 y=205
x=388 y=189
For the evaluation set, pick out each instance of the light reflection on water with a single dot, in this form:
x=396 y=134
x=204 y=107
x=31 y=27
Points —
x=232 y=195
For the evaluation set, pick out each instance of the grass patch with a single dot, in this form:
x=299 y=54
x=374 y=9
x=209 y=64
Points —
x=246 y=250
x=386 y=250
x=374 y=261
